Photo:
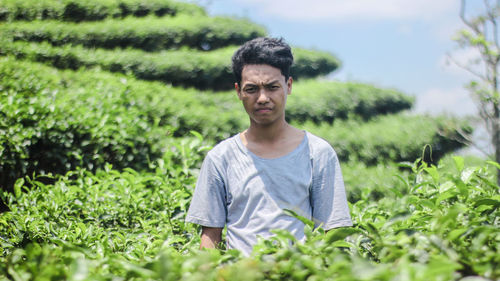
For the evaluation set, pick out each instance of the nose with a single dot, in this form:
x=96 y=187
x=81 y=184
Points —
x=263 y=96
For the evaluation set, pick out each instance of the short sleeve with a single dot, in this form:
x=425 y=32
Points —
x=208 y=205
x=328 y=196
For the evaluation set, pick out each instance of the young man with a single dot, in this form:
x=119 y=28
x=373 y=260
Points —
x=247 y=181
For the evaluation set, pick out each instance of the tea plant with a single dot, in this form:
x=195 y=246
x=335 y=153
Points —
x=148 y=33
x=440 y=224
x=72 y=10
x=395 y=137
x=185 y=67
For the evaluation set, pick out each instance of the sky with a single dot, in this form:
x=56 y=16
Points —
x=401 y=44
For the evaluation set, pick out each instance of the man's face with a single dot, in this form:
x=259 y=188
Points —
x=263 y=93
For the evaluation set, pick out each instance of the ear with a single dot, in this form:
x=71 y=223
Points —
x=238 y=90
x=289 y=84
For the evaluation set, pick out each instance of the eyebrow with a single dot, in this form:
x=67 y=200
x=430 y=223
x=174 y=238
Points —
x=251 y=84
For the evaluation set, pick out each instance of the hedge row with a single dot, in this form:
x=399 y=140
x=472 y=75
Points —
x=312 y=63
x=397 y=137
x=53 y=121
x=326 y=101
x=185 y=67
x=149 y=33
x=91 y=10
x=432 y=224
x=311 y=100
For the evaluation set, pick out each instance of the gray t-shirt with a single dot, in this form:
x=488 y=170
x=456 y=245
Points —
x=247 y=193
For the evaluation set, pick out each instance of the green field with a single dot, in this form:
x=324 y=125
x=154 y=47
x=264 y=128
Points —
x=107 y=109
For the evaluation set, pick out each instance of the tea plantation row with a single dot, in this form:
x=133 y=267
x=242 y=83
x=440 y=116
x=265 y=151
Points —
x=87 y=10
x=54 y=121
x=185 y=67
x=148 y=33
x=395 y=138
x=435 y=223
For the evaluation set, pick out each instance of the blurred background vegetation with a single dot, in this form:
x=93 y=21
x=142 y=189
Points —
x=86 y=83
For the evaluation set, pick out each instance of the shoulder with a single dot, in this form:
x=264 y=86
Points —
x=319 y=147
x=223 y=149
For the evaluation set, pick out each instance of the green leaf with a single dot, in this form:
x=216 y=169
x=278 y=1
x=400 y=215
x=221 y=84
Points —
x=459 y=163
x=305 y=220
x=427 y=203
x=467 y=174
x=487 y=201
x=432 y=170
x=462 y=188
x=17 y=187
x=342 y=244
x=340 y=233
x=445 y=195
x=197 y=135
x=454 y=234
x=371 y=229
x=493 y=163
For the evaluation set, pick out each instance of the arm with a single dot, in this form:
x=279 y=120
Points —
x=210 y=237
x=328 y=196
x=208 y=204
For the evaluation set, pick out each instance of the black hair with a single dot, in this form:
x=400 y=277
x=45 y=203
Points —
x=263 y=50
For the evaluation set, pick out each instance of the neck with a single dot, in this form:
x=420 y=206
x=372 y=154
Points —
x=269 y=133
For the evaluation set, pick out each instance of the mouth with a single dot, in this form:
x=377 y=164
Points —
x=263 y=110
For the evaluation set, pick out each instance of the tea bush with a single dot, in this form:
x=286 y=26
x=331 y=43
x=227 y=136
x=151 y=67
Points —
x=88 y=10
x=57 y=120
x=149 y=33
x=54 y=121
x=49 y=131
x=325 y=101
x=435 y=224
x=312 y=63
x=185 y=67
x=396 y=137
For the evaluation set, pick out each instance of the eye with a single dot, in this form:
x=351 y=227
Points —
x=250 y=90
x=273 y=87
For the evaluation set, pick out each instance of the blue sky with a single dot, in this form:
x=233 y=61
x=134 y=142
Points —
x=400 y=44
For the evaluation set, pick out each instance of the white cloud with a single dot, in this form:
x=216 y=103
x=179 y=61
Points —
x=354 y=10
x=456 y=101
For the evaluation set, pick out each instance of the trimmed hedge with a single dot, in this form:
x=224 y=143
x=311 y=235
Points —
x=54 y=121
x=148 y=33
x=318 y=101
x=393 y=138
x=91 y=10
x=214 y=115
x=312 y=63
x=185 y=67
x=326 y=101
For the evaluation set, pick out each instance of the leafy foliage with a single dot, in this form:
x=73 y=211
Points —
x=55 y=121
x=312 y=63
x=185 y=67
x=398 y=137
x=88 y=10
x=435 y=223
x=326 y=101
x=149 y=33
